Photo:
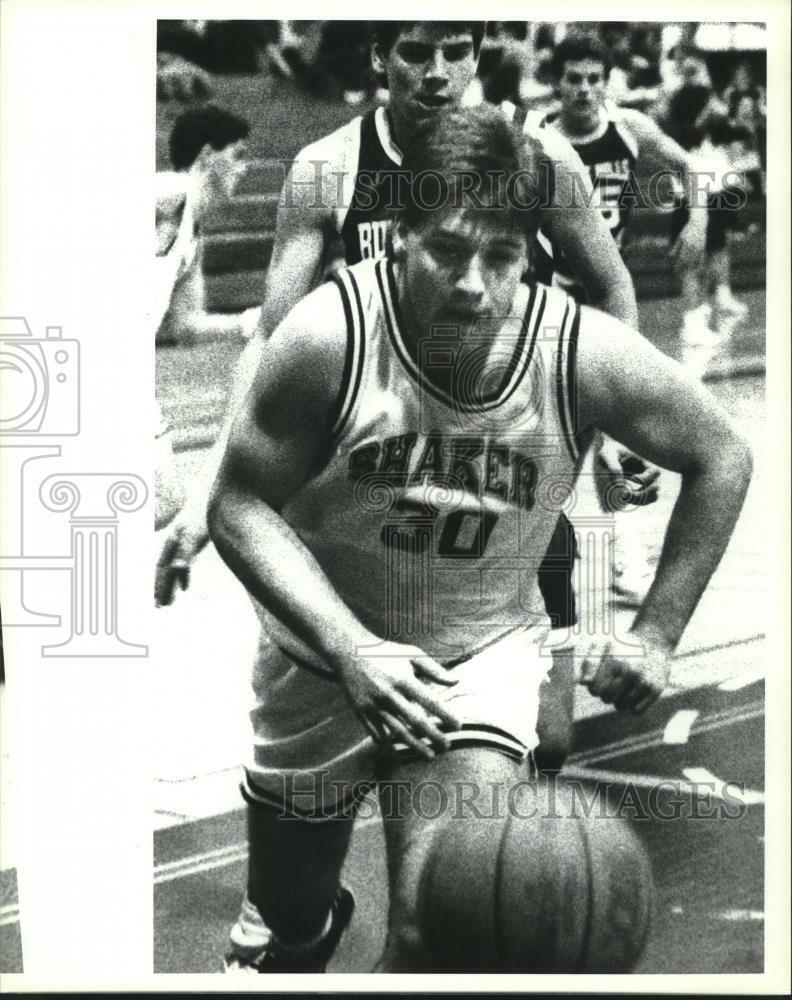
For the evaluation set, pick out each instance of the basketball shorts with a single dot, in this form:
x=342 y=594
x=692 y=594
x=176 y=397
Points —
x=313 y=758
x=555 y=575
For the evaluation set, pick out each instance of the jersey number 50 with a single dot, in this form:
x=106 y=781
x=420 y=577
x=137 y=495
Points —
x=462 y=534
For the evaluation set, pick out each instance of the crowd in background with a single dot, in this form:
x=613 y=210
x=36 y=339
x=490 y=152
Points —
x=701 y=82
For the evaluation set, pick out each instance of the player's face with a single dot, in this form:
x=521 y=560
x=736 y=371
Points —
x=429 y=68
x=582 y=91
x=460 y=269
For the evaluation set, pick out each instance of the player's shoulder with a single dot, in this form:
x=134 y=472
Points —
x=557 y=307
x=635 y=122
x=361 y=286
x=528 y=121
x=540 y=122
x=551 y=144
x=314 y=171
x=316 y=324
x=604 y=336
x=333 y=147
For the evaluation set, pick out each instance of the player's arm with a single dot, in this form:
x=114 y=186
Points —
x=300 y=239
x=659 y=152
x=280 y=439
x=648 y=402
x=301 y=234
x=168 y=492
x=578 y=229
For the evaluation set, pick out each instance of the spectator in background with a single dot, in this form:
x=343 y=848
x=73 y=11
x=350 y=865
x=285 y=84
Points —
x=207 y=146
x=325 y=58
x=702 y=123
x=180 y=80
x=503 y=62
x=207 y=126
x=215 y=46
x=746 y=109
x=290 y=53
x=344 y=57
x=689 y=106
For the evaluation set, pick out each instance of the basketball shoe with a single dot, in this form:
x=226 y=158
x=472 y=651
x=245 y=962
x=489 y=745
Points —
x=254 y=949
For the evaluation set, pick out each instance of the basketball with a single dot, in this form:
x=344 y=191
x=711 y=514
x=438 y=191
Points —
x=540 y=888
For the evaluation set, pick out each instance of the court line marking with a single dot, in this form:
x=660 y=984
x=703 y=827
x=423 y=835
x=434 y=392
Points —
x=222 y=857
x=233 y=855
x=748 y=796
x=677 y=730
x=739 y=915
x=740 y=681
x=717 y=647
x=217 y=854
x=654 y=738
x=694 y=780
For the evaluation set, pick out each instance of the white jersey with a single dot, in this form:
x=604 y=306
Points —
x=434 y=510
x=430 y=519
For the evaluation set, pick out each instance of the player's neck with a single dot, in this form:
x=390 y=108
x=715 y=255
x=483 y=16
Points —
x=582 y=131
x=399 y=131
x=416 y=329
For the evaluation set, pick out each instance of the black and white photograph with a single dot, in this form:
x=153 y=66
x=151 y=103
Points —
x=434 y=627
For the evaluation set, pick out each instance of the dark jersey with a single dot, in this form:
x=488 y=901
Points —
x=610 y=158
x=365 y=226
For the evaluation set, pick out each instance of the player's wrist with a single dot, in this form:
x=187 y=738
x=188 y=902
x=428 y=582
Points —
x=655 y=636
x=343 y=648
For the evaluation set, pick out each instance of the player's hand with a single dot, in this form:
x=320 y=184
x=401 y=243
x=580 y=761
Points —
x=631 y=683
x=184 y=539
x=394 y=692
x=630 y=481
x=688 y=251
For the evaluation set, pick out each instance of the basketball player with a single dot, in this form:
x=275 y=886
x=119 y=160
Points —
x=336 y=206
x=391 y=484
x=207 y=146
x=613 y=142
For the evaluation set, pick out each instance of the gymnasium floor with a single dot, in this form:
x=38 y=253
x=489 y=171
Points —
x=708 y=870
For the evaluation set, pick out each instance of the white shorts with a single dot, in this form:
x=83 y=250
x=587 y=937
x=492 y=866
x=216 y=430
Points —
x=313 y=757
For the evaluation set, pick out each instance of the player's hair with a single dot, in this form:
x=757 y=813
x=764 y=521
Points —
x=472 y=158
x=577 y=47
x=385 y=33
x=198 y=127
